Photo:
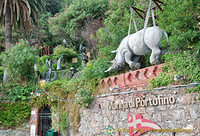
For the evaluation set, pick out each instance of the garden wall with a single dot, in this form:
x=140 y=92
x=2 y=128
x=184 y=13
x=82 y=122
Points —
x=20 y=131
x=170 y=108
x=183 y=113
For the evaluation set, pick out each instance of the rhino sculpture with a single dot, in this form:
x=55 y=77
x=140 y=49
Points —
x=140 y=43
x=136 y=45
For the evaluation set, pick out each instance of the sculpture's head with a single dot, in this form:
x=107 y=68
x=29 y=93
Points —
x=114 y=66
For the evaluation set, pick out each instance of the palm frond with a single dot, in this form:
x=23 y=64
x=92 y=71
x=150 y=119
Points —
x=23 y=12
x=28 y=6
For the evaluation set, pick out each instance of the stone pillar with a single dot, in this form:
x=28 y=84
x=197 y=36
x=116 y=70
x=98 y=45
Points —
x=34 y=122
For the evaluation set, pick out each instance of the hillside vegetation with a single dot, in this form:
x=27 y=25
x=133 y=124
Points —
x=100 y=26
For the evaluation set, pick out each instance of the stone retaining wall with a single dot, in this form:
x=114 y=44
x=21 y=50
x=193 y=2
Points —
x=184 y=113
x=22 y=131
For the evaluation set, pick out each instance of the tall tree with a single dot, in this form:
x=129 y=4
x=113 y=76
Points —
x=78 y=21
x=20 y=14
x=53 y=6
x=182 y=23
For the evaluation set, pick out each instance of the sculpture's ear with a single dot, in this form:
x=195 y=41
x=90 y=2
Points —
x=114 y=51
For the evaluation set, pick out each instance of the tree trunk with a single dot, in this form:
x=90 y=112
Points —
x=8 y=26
x=8 y=37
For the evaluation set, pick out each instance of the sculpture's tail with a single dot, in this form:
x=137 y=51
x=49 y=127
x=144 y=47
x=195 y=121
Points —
x=166 y=36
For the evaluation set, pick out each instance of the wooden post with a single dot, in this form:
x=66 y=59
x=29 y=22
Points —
x=41 y=50
x=48 y=51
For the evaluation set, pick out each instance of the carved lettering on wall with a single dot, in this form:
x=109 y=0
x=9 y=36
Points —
x=136 y=102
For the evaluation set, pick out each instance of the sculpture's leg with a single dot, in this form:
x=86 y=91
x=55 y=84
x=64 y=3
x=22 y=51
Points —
x=136 y=61
x=155 y=56
x=132 y=64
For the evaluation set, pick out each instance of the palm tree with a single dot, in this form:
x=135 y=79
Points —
x=20 y=14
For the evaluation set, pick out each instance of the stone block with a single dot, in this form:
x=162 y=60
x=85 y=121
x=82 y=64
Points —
x=98 y=117
x=85 y=112
x=187 y=99
x=189 y=126
x=116 y=119
x=93 y=124
x=194 y=113
x=198 y=126
x=178 y=115
x=163 y=107
x=141 y=110
x=110 y=98
x=106 y=121
x=157 y=117
x=150 y=109
x=147 y=116
x=110 y=118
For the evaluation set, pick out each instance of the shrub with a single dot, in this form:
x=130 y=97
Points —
x=163 y=79
x=18 y=91
x=95 y=70
x=84 y=98
x=63 y=121
x=182 y=23
x=59 y=50
x=1 y=73
x=20 y=60
x=68 y=53
x=179 y=64
x=44 y=58
x=105 y=52
x=42 y=68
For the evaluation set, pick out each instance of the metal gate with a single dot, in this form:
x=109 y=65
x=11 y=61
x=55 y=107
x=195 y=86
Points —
x=44 y=122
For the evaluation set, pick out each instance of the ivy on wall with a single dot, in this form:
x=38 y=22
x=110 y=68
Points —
x=13 y=114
